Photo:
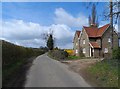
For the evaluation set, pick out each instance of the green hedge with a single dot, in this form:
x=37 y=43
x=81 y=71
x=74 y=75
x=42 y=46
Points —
x=12 y=53
x=13 y=57
x=116 y=53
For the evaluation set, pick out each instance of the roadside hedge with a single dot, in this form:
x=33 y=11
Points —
x=12 y=53
x=116 y=53
x=14 y=57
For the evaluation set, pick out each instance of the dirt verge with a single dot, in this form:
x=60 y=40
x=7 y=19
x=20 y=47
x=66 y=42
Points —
x=81 y=66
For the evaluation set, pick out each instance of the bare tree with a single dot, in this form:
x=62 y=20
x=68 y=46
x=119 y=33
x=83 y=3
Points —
x=112 y=8
x=113 y=15
x=93 y=19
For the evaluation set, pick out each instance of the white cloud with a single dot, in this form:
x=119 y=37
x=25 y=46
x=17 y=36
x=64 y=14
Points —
x=63 y=34
x=30 y=34
x=63 y=17
x=61 y=31
x=19 y=30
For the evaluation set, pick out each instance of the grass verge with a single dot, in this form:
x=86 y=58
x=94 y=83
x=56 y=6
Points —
x=104 y=73
x=73 y=57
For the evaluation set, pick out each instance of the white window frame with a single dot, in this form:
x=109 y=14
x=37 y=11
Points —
x=109 y=39
x=83 y=41
x=93 y=50
x=84 y=50
x=106 y=50
x=76 y=51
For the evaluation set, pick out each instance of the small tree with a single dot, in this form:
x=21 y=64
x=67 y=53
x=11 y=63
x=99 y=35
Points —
x=50 y=42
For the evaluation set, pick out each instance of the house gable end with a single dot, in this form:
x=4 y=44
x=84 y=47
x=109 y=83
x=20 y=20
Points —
x=104 y=30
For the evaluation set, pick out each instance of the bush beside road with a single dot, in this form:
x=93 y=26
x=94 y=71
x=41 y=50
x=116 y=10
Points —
x=58 y=54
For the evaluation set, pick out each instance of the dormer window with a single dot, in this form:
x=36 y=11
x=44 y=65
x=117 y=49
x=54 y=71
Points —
x=109 y=40
x=84 y=41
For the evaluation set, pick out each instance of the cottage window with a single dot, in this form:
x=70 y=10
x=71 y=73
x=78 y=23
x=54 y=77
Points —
x=83 y=41
x=109 y=40
x=106 y=50
x=76 y=44
x=76 y=51
x=84 y=50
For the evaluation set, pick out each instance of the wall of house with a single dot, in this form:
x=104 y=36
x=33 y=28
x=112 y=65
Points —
x=86 y=45
x=108 y=45
x=105 y=43
x=76 y=45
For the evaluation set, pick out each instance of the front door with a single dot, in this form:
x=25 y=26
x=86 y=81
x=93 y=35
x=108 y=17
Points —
x=91 y=52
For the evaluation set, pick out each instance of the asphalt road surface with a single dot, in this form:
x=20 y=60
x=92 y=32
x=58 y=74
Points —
x=46 y=72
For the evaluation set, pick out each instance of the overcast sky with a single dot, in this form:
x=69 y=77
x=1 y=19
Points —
x=25 y=22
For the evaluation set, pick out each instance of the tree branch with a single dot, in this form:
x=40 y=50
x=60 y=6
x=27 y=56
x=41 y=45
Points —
x=116 y=13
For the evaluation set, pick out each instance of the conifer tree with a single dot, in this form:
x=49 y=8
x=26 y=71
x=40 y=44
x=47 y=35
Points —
x=50 y=42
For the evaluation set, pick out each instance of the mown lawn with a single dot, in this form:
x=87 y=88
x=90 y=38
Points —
x=105 y=73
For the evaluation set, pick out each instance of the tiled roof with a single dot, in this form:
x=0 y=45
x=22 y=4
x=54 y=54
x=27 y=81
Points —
x=95 y=44
x=96 y=32
x=91 y=31
x=78 y=33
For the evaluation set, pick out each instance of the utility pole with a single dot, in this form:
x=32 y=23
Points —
x=111 y=21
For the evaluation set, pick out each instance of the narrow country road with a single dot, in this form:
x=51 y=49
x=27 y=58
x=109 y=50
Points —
x=46 y=72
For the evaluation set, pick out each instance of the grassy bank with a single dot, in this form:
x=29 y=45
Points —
x=14 y=57
x=104 y=73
